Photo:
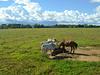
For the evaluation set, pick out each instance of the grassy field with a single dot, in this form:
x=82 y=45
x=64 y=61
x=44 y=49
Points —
x=20 y=51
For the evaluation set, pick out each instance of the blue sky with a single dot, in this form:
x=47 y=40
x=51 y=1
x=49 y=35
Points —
x=61 y=11
x=61 y=5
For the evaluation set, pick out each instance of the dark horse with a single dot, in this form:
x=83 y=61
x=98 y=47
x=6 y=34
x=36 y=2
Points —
x=70 y=43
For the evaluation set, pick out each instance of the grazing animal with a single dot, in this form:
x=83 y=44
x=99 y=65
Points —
x=50 y=44
x=70 y=43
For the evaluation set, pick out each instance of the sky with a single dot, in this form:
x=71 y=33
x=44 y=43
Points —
x=59 y=11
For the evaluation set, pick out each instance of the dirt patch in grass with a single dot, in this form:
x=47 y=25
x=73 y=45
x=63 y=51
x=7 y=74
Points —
x=80 y=55
x=87 y=55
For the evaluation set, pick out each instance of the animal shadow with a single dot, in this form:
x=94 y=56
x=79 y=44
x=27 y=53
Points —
x=81 y=54
x=69 y=55
x=61 y=57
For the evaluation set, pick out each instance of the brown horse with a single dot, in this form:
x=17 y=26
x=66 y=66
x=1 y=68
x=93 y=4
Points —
x=70 y=43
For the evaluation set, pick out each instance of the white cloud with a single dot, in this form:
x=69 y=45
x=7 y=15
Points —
x=22 y=1
x=4 y=0
x=97 y=1
x=31 y=11
x=2 y=16
x=98 y=9
x=61 y=16
x=70 y=16
x=23 y=9
x=95 y=18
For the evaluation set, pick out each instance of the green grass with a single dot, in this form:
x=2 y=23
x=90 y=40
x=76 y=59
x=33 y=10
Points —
x=20 y=52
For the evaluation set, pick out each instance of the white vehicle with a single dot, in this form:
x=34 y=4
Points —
x=50 y=44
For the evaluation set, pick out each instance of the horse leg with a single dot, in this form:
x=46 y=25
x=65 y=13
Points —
x=71 y=50
x=64 y=50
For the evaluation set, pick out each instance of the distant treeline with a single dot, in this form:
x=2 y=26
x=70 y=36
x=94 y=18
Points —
x=6 y=26
x=66 y=26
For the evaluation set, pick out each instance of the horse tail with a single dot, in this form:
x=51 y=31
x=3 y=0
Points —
x=76 y=45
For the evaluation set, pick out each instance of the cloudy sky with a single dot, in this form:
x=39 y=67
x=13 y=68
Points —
x=59 y=11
